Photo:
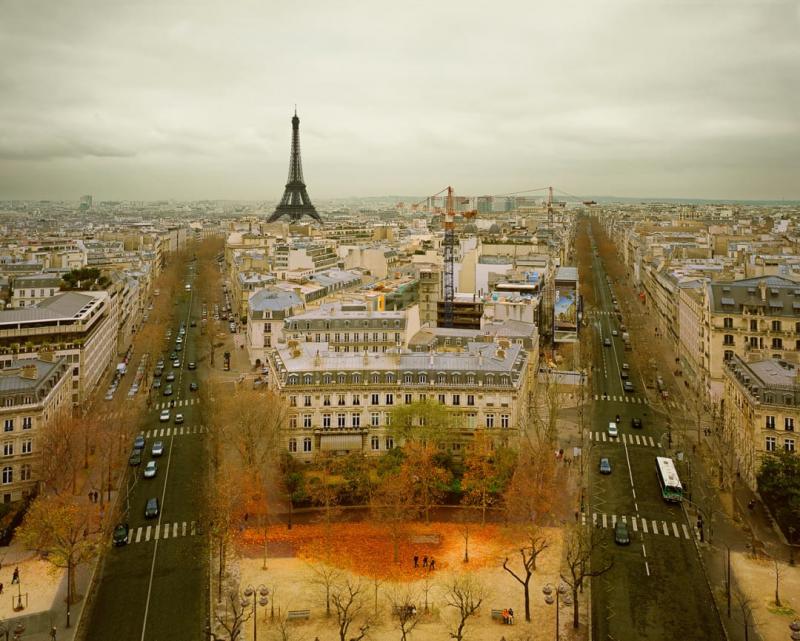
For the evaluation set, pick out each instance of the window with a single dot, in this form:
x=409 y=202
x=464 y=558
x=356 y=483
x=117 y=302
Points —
x=336 y=337
x=376 y=443
x=341 y=400
x=728 y=339
x=356 y=337
x=376 y=399
x=342 y=379
x=441 y=399
x=326 y=421
x=441 y=379
x=423 y=378
x=505 y=380
x=408 y=378
x=727 y=323
x=327 y=379
x=8 y=475
x=292 y=444
x=341 y=420
x=306 y=420
x=293 y=379
x=396 y=337
x=728 y=355
x=347 y=337
x=770 y=422
x=788 y=444
x=390 y=399
x=504 y=421
x=770 y=444
x=375 y=419
x=788 y=423
x=777 y=343
x=389 y=443
x=456 y=399
x=797 y=328
x=355 y=420
x=470 y=399
x=307 y=444
x=292 y=422
x=8 y=449
x=27 y=422
x=25 y=472
x=308 y=379
x=776 y=326
x=27 y=446
x=490 y=379
x=753 y=325
x=490 y=420
x=471 y=420
x=326 y=400
x=407 y=399
x=307 y=401
x=356 y=399
x=376 y=378
x=356 y=378
x=292 y=401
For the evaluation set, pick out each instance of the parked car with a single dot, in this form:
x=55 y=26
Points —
x=178 y=418
x=173 y=356
x=156 y=383
x=176 y=362
x=150 y=470
x=605 y=466
x=636 y=423
x=165 y=415
x=138 y=442
x=160 y=364
x=628 y=386
x=192 y=386
x=612 y=429
x=120 y=536
x=193 y=324
x=178 y=347
x=158 y=371
x=621 y=536
x=614 y=332
x=170 y=377
x=167 y=390
x=151 y=509
x=623 y=374
x=192 y=365
x=157 y=449
x=607 y=341
x=135 y=458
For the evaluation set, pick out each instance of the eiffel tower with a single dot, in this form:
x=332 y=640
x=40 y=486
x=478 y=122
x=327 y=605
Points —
x=295 y=202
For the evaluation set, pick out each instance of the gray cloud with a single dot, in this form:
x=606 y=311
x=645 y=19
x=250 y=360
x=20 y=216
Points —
x=193 y=100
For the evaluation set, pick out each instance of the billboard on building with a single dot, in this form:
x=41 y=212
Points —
x=566 y=306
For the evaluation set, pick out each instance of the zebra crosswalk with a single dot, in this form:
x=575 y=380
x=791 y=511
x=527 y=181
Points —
x=183 y=402
x=642 y=525
x=600 y=312
x=146 y=533
x=629 y=439
x=182 y=430
x=621 y=399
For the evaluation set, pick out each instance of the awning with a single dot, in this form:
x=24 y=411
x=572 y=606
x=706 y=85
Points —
x=334 y=442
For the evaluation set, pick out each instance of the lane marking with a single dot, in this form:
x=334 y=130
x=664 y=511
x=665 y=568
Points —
x=644 y=526
x=183 y=531
x=633 y=523
x=138 y=534
x=675 y=530
x=655 y=527
x=175 y=529
x=666 y=530
x=647 y=568
x=147 y=534
x=605 y=522
x=685 y=531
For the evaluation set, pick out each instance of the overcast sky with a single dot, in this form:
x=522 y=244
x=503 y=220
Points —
x=191 y=100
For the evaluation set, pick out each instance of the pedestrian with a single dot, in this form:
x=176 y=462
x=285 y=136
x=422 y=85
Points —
x=505 y=615
x=433 y=564
x=15 y=577
x=416 y=560
x=510 y=616
x=425 y=561
x=1 y=588
x=90 y=496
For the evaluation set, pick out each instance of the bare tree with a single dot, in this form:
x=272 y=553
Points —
x=325 y=577
x=232 y=619
x=535 y=543
x=745 y=604
x=579 y=563
x=403 y=606
x=778 y=573
x=348 y=601
x=465 y=595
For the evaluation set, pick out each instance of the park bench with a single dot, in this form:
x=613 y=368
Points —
x=498 y=615
x=404 y=610
x=298 y=614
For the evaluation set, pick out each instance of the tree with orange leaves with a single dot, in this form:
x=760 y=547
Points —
x=486 y=472
x=393 y=505
x=428 y=480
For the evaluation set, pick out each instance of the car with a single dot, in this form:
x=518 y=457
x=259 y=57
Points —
x=193 y=324
x=607 y=342
x=138 y=442
x=605 y=466
x=157 y=449
x=150 y=470
x=628 y=386
x=109 y=396
x=120 y=536
x=179 y=340
x=625 y=366
x=612 y=429
x=173 y=356
x=158 y=371
x=165 y=415
x=176 y=362
x=135 y=458
x=624 y=374
x=170 y=377
x=151 y=509
x=178 y=418
x=167 y=390
x=621 y=536
x=179 y=348
x=636 y=423
x=192 y=365
x=192 y=386
x=156 y=383
x=614 y=332
x=160 y=364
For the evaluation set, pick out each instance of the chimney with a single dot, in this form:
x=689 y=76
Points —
x=29 y=372
x=762 y=288
x=480 y=356
x=430 y=358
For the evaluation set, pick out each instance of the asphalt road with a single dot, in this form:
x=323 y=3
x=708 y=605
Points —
x=156 y=587
x=655 y=588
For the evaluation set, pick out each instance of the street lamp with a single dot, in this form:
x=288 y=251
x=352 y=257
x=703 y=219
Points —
x=560 y=597
x=794 y=626
x=262 y=594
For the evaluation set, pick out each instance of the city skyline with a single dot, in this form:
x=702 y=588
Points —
x=620 y=98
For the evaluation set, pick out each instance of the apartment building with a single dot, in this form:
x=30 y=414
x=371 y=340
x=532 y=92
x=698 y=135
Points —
x=761 y=411
x=353 y=327
x=33 y=392
x=32 y=289
x=755 y=319
x=266 y=312
x=80 y=326
x=342 y=402
x=430 y=293
x=304 y=257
